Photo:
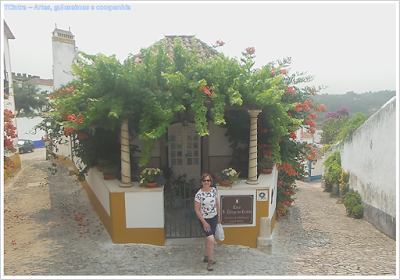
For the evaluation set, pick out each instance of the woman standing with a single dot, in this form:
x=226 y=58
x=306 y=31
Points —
x=206 y=206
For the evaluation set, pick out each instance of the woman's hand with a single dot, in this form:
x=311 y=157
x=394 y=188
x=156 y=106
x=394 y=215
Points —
x=219 y=219
x=206 y=226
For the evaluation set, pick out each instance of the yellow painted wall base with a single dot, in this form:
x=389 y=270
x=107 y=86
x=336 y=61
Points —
x=246 y=236
x=115 y=224
x=17 y=165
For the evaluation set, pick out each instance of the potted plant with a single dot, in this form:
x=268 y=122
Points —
x=267 y=165
x=152 y=177
x=110 y=172
x=102 y=164
x=227 y=177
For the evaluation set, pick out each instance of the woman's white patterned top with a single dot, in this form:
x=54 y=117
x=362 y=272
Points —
x=208 y=203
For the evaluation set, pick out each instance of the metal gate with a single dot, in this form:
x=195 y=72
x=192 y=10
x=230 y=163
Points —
x=180 y=218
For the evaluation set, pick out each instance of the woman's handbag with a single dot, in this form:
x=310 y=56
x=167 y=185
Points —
x=219 y=233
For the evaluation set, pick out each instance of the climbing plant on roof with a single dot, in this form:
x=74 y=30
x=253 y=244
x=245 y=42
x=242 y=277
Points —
x=149 y=92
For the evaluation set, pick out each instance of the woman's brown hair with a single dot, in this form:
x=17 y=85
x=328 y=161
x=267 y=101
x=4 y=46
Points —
x=204 y=176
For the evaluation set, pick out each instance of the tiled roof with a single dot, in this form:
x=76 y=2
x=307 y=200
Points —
x=188 y=42
x=305 y=134
x=38 y=81
x=7 y=31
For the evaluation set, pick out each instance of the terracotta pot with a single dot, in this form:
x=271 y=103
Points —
x=225 y=183
x=109 y=176
x=266 y=170
x=151 y=185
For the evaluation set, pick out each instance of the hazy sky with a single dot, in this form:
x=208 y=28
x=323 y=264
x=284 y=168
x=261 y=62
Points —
x=346 y=46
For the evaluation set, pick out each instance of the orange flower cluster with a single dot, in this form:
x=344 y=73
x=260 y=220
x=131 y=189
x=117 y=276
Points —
x=313 y=116
x=251 y=50
x=313 y=154
x=9 y=130
x=207 y=91
x=68 y=130
x=288 y=169
x=284 y=72
x=220 y=43
x=292 y=135
x=290 y=90
x=305 y=106
x=82 y=135
x=272 y=70
x=73 y=118
x=263 y=130
x=266 y=150
x=320 y=108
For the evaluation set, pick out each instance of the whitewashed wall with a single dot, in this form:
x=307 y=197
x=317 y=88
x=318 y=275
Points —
x=26 y=131
x=369 y=154
x=63 y=57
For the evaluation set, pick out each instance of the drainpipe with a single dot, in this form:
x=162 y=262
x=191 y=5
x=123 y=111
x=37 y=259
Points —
x=252 y=179
x=125 y=157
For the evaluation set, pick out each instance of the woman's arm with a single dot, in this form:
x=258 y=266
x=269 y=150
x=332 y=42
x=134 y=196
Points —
x=206 y=226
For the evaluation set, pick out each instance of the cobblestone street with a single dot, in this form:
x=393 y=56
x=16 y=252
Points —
x=57 y=233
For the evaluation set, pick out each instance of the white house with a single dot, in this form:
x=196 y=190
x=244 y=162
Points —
x=118 y=203
x=315 y=167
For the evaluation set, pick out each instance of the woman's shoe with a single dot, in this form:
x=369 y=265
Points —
x=210 y=265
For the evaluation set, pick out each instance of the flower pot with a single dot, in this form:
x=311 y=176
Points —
x=109 y=176
x=225 y=183
x=266 y=170
x=151 y=185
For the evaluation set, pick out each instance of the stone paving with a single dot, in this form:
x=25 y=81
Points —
x=317 y=238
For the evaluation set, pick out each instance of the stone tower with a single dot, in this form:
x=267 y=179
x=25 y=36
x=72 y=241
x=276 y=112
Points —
x=64 y=53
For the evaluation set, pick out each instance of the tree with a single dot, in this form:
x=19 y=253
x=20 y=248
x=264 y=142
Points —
x=338 y=125
x=333 y=124
x=151 y=93
x=28 y=100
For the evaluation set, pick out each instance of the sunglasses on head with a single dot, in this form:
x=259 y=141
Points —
x=206 y=180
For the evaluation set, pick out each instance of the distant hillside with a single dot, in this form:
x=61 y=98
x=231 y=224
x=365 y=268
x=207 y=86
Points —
x=367 y=103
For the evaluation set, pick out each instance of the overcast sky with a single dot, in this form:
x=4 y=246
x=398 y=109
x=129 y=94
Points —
x=346 y=46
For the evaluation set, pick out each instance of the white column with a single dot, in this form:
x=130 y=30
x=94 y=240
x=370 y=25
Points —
x=125 y=157
x=252 y=179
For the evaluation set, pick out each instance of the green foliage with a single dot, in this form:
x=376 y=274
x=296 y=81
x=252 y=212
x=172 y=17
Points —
x=332 y=128
x=352 y=202
x=350 y=126
x=333 y=168
x=337 y=129
x=150 y=94
x=366 y=103
x=28 y=100
x=344 y=183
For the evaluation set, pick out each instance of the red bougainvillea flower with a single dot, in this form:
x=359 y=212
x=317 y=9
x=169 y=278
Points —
x=290 y=90
x=284 y=72
x=313 y=116
x=298 y=107
x=207 y=91
x=220 y=43
x=250 y=50
x=272 y=70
